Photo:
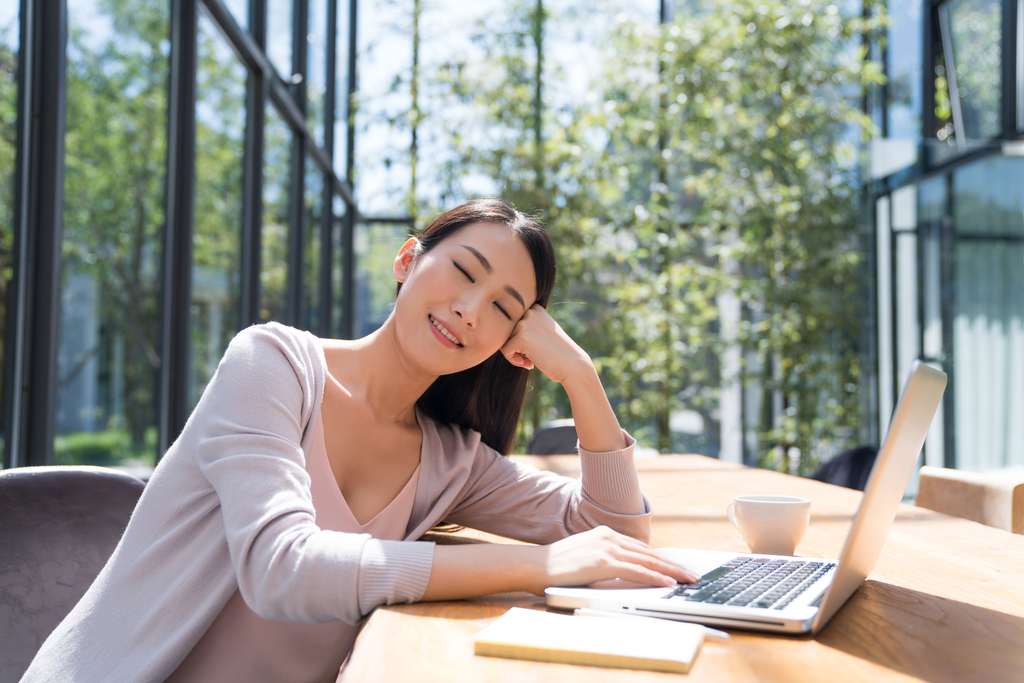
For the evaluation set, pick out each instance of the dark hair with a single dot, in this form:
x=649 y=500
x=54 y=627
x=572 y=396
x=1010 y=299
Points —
x=488 y=397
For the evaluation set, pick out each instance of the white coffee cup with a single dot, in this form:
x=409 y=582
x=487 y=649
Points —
x=770 y=525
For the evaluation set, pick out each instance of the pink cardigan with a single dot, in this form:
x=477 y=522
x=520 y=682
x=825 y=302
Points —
x=229 y=507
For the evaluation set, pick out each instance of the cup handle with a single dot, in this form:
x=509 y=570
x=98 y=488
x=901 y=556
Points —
x=731 y=514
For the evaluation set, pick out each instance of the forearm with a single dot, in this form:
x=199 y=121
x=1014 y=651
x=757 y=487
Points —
x=596 y=425
x=466 y=571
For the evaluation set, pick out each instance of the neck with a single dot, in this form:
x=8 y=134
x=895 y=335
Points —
x=376 y=369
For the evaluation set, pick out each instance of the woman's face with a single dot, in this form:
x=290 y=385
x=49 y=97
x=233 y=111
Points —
x=461 y=300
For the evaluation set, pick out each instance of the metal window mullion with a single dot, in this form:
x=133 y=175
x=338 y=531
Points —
x=252 y=190
x=296 y=207
x=176 y=260
x=947 y=304
x=33 y=331
x=1017 y=64
x=252 y=199
x=1008 y=52
x=327 y=245
x=954 y=94
x=348 y=263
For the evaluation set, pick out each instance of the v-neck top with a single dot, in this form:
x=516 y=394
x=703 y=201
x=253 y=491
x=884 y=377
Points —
x=229 y=507
x=242 y=646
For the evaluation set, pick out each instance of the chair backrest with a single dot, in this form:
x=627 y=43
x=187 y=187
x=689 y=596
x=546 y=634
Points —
x=58 y=527
x=993 y=500
x=556 y=440
x=850 y=468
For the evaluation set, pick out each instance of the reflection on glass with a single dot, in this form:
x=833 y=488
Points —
x=341 y=112
x=312 y=210
x=279 y=36
x=338 y=269
x=903 y=50
x=969 y=70
x=115 y=147
x=277 y=148
x=376 y=245
x=220 y=146
x=316 y=69
x=988 y=198
x=9 y=44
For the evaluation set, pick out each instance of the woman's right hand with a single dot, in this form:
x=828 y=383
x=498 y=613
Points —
x=600 y=554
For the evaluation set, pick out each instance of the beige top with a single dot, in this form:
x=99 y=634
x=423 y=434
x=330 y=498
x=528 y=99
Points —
x=242 y=646
x=230 y=507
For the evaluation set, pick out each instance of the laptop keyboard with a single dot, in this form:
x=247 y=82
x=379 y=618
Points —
x=754 y=582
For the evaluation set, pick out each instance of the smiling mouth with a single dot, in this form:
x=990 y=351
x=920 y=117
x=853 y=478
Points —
x=444 y=331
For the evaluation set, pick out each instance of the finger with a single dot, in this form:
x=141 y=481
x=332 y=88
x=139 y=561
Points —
x=633 y=572
x=661 y=566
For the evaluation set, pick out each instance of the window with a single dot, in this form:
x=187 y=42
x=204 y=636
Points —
x=216 y=247
x=988 y=324
x=115 y=146
x=968 y=71
x=276 y=183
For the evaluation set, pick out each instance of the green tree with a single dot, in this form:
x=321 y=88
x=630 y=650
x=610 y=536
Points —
x=758 y=146
x=114 y=191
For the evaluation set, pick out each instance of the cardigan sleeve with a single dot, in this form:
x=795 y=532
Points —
x=251 y=423
x=518 y=501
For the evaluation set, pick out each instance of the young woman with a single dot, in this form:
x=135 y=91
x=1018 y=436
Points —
x=291 y=504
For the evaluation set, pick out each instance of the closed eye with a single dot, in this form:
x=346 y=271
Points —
x=503 y=311
x=463 y=271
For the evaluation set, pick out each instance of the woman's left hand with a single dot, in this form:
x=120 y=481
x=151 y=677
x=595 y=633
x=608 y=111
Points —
x=538 y=340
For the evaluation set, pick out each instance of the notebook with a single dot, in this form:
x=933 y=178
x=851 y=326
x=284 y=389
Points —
x=650 y=644
x=788 y=594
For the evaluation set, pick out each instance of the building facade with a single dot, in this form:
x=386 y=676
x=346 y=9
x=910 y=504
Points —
x=946 y=180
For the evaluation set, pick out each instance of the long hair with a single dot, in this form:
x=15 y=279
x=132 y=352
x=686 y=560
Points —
x=488 y=397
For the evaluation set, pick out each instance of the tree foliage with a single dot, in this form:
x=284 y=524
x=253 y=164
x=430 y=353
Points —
x=714 y=162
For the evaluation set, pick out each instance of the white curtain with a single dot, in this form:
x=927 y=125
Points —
x=988 y=343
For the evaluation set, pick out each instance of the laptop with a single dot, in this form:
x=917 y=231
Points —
x=782 y=594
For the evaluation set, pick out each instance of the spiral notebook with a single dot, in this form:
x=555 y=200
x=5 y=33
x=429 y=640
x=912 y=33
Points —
x=651 y=644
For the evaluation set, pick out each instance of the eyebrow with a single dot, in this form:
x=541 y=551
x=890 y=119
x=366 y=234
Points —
x=487 y=266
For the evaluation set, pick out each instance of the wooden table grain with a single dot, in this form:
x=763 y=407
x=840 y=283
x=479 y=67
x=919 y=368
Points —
x=944 y=603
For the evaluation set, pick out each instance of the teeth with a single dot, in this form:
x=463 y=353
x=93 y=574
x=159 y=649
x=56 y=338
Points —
x=443 y=330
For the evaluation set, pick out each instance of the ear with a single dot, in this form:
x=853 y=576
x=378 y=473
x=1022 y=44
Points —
x=405 y=258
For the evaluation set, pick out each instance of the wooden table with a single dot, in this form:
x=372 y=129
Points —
x=944 y=603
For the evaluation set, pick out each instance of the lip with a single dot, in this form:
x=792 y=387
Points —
x=437 y=333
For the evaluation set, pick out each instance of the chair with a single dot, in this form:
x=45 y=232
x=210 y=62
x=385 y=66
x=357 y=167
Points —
x=555 y=438
x=991 y=499
x=58 y=526
x=850 y=468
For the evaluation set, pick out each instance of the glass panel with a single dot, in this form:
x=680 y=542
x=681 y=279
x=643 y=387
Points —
x=382 y=153
x=341 y=89
x=239 y=10
x=114 y=193
x=277 y=149
x=967 y=92
x=337 y=269
x=216 y=254
x=312 y=246
x=9 y=47
x=904 y=54
x=988 y=198
x=988 y=342
x=316 y=69
x=988 y=324
x=279 y=36
x=376 y=245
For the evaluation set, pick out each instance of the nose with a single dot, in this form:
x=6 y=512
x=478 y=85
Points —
x=466 y=308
